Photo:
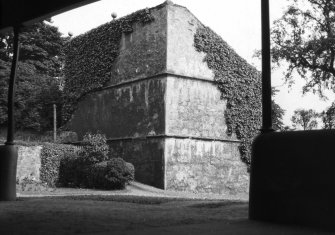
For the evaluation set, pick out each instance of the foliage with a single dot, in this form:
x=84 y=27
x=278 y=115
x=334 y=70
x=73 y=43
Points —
x=92 y=168
x=95 y=148
x=129 y=172
x=31 y=185
x=287 y=128
x=51 y=157
x=307 y=119
x=240 y=85
x=328 y=117
x=72 y=172
x=39 y=69
x=111 y=174
x=277 y=114
x=305 y=38
x=89 y=58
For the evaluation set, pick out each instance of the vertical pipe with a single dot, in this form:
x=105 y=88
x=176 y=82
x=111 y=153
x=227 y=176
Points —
x=11 y=90
x=266 y=68
x=55 y=123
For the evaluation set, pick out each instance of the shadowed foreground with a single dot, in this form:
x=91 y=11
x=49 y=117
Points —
x=129 y=214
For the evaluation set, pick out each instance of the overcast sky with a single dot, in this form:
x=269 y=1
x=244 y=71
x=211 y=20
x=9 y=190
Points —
x=237 y=22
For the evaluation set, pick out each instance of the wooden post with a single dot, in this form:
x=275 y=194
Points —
x=8 y=152
x=11 y=89
x=55 y=122
x=266 y=68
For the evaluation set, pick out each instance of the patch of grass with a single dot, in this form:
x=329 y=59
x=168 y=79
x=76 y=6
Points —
x=125 y=198
x=213 y=205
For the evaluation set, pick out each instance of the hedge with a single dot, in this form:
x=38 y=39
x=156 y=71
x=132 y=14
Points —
x=93 y=168
x=240 y=85
x=51 y=157
x=111 y=174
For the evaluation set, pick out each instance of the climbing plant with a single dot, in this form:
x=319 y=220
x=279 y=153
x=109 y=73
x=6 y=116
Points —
x=90 y=56
x=240 y=86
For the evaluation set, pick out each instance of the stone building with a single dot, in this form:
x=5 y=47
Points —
x=162 y=111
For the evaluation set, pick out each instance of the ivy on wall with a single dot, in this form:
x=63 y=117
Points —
x=240 y=86
x=90 y=57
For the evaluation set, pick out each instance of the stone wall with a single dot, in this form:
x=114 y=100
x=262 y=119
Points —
x=194 y=108
x=205 y=167
x=29 y=163
x=163 y=112
x=199 y=155
x=182 y=58
x=147 y=155
x=130 y=110
x=142 y=52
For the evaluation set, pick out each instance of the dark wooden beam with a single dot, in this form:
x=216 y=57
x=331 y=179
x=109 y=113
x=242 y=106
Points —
x=23 y=12
x=266 y=68
x=11 y=89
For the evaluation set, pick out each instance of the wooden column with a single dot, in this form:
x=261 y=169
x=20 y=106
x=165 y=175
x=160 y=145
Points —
x=266 y=69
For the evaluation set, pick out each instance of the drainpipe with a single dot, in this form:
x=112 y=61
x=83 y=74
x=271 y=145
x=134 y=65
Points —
x=266 y=69
x=8 y=152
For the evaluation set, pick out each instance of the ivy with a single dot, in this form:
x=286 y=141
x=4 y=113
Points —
x=90 y=57
x=240 y=86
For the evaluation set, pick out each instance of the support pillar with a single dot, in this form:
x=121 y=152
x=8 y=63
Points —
x=8 y=152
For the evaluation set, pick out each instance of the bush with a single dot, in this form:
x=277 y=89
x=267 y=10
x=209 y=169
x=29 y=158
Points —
x=92 y=168
x=71 y=172
x=51 y=157
x=130 y=171
x=31 y=185
x=111 y=174
x=95 y=149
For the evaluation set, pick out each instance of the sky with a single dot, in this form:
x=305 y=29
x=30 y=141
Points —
x=238 y=22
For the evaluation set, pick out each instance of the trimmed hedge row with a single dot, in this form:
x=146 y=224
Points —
x=240 y=85
x=90 y=57
x=51 y=157
x=88 y=166
x=112 y=174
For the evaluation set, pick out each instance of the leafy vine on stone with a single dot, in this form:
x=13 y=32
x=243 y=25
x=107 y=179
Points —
x=90 y=56
x=240 y=86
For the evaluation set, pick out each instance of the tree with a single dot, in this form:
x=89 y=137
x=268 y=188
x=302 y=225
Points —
x=328 y=117
x=277 y=113
x=304 y=37
x=307 y=119
x=40 y=67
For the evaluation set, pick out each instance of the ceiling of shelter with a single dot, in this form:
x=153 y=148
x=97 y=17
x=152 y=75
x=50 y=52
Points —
x=16 y=12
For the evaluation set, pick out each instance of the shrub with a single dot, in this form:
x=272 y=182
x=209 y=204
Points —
x=92 y=168
x=95 y=149
x=51 y=157
x=71 y=172
x=130 y=171
x=111 y=174
x=31 y=185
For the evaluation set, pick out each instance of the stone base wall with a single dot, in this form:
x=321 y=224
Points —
x=147 y=156
x=173 y=163
x=205 y=167
x=184 y=164
x=29 y=163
